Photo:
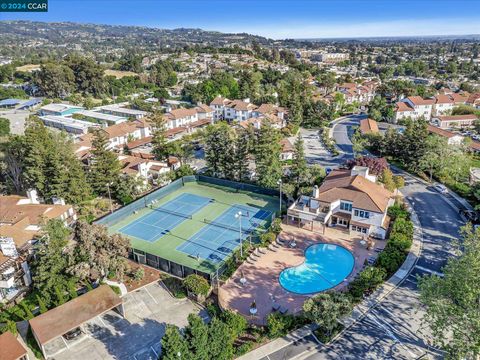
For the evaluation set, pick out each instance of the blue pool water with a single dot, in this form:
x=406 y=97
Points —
x=325 y=266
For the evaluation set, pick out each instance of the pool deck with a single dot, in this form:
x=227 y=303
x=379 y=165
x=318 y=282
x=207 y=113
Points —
x=262 y=273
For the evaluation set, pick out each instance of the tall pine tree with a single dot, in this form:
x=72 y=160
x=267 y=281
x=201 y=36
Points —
x=267 y=156
x=220 y=150
x=105 y=166
x=159 y=138
x=299 y=169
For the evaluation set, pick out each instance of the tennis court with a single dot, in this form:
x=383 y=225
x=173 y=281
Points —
x=221 y=236
x=152 y=226
x=190 y=225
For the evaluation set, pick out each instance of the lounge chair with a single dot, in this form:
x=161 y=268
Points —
x=275 y=306
x=283 y=310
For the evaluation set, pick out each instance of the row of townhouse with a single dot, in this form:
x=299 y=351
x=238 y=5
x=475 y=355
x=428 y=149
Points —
x=360 y=93
x=21 y=219
x=416 y=107
x=243 y=111
x=347 y=199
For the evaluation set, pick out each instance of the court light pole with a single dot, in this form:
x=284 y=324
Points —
x=279 y=182
x=239 y=217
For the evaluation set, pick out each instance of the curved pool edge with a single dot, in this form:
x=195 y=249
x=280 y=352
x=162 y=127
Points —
x=303 y=262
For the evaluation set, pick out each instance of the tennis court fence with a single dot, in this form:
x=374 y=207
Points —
x=125 y=211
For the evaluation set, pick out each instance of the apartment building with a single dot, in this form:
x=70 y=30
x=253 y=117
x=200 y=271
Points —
x=361 y=93
x=347 y=199
x=21 y=220
x=416 y=107
x=243 y=111
x=118 y=135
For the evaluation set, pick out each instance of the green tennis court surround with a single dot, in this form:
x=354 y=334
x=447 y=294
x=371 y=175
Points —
x=178 y=228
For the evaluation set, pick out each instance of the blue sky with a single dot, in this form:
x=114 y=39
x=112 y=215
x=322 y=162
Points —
x=276 y=18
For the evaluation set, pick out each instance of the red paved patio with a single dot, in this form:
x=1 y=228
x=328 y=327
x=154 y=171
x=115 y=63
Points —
x=262 y=273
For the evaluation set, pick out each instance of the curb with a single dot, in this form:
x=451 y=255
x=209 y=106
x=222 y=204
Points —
x=362 y=309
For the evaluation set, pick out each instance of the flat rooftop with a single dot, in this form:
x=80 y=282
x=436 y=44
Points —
x=68 y=122
x=66 y=317
x=102 y=116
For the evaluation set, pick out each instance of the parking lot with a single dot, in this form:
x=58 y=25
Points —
x=136 y=337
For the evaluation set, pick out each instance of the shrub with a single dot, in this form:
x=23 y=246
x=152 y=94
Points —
x=9 y=326
x=367 y=281
x=399 y=241
x=390 y=259
x=326 y=308
x=139 y=274
x=276 y=226
x=243 y=349
x=235 y=322
x=175 y=286
x=403 y=226
x=196 y=284
x=41 y=305
x=278 y=325
x=398 y=211
x=267 y=238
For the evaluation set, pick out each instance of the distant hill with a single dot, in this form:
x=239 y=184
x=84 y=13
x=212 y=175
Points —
x=68 y=33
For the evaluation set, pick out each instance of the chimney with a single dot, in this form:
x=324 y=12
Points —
x=33 y=196
x=315 y=192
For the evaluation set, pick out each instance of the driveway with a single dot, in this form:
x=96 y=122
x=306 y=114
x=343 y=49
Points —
x=136 y=337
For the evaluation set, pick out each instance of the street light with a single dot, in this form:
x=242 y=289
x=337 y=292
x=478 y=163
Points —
x=110 y=197
x=239 y=217
x=279 y=182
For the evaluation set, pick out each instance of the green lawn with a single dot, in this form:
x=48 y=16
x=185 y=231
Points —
x=165 y=246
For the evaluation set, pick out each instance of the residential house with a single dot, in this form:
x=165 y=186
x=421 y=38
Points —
x=347 y=199
x=474 y=100
x=12 y=348
x=414 y=107
x=454 y=121
x=359 y=93
x=144 y=169
x=287 y=150
x=101 y=118
x=118 y=136
x=368 y=126
x=452 y=138
x=232 y=110
x=443 y=105
x=21 y=219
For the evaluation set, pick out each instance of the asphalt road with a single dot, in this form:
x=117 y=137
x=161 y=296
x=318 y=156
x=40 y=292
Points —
x=393 y=329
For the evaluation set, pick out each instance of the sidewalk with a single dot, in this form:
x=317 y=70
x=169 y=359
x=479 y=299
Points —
x=279 y=343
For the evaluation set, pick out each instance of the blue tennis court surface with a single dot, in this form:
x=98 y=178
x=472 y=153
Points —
x=219 y=238
x=155 y=224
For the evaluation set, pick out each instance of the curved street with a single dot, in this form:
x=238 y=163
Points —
x=393 y=329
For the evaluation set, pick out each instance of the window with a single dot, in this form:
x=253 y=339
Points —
x=345 y=206
x=362 y=214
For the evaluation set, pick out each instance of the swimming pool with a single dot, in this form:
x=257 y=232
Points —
x=325 y=266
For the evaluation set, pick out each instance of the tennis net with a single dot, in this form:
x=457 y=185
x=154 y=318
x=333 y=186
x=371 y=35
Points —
x=228 y=227
x=172 y=212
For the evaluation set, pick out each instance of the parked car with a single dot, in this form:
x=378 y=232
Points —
x=72 y=334
x=471 y=216
x=441 y=188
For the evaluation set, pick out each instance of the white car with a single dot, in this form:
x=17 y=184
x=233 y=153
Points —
x=441 y=188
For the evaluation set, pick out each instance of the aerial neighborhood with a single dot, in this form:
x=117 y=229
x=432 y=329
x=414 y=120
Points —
x=195 y=194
